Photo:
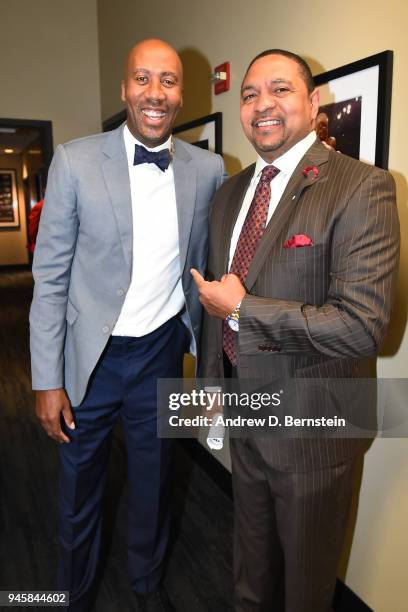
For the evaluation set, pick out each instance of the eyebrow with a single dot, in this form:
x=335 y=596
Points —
x=162 y=74
x=170 y=73
x=272 y=81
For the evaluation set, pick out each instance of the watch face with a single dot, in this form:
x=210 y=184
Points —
x=234 y=325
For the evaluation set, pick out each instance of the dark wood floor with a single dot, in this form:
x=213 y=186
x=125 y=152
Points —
x=199 y=571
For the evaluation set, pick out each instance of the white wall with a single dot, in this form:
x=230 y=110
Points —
x=49 y=64
x=49 y=68
x=328 y=35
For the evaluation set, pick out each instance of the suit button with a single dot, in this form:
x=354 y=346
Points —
x=105 y=329
x=219 y=355
x=120 y=292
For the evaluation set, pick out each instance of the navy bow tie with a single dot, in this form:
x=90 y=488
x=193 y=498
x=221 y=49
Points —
x=160 y=158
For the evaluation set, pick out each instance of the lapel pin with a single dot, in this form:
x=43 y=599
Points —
x=311 y=170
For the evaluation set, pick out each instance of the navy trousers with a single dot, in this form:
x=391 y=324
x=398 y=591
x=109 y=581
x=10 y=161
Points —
x=122 y=385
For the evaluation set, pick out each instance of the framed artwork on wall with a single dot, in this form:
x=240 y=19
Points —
x=9 y=212
x=205 y=132
x=115 y=121
x=355 y=103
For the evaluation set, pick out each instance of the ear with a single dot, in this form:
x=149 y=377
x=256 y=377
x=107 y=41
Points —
x=315 y=103
x=122 y=89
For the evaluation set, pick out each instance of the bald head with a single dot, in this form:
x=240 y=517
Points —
x=152 y=89
x=322 y=118
x=153 y=47
x=322 y=126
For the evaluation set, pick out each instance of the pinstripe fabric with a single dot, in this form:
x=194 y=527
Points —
x=317 y=311
x=278 y=551
x=313 y=312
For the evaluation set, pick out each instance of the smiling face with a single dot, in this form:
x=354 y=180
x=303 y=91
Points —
x=277 y=110
x=152 y=90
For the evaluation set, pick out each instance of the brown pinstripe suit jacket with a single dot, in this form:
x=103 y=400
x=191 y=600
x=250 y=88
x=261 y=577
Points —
x=313 y=312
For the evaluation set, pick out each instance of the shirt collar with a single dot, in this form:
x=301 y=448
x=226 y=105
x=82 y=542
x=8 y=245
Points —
x=131 y=141
x=289 y=160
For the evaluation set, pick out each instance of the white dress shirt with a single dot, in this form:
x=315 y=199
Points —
x=286 y=164
x=155 y=294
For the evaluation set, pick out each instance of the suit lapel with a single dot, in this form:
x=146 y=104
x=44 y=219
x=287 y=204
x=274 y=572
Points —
x=233 y=206
x=116 y=174
x=185 y=183
x=316 y=156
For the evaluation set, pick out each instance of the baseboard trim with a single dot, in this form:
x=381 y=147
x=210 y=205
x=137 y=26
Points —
x=345 y=600
x=15 y=268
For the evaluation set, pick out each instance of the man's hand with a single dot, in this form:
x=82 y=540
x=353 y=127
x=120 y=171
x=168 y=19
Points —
x=49 y=405
x=219 y=298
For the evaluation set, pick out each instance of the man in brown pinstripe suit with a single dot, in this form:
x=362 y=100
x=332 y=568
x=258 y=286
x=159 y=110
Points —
x=303 y=254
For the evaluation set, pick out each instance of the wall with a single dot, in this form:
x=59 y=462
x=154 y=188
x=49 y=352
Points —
x=50 y=70
x=328 y=35
x=49 y=64
x=13 y=241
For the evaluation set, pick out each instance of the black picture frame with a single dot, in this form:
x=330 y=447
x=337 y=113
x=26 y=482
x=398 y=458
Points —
x=9 y=204
x=114 y=121
x=365 y=85
x=205 y=132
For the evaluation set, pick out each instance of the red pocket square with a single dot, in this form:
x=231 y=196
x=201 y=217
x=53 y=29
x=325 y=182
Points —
x=298 y=240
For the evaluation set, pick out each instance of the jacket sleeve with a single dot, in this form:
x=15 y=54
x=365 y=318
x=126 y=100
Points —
x=353 y=320
x=53 y=256
x=223 y=174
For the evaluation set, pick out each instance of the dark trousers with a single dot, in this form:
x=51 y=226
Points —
x=289 y=529
x=123 y=385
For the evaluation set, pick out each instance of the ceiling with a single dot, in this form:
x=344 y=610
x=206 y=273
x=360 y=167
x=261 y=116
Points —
x=18 y=139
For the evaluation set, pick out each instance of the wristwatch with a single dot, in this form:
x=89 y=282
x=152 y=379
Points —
x=233 y=318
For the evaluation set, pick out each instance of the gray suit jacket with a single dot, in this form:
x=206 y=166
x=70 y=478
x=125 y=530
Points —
x=83 y=258
x=317 y=311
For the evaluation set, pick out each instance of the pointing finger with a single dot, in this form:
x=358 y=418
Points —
x=199 y=280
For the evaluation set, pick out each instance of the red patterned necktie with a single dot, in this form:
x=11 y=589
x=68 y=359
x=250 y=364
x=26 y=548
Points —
x=251 y=233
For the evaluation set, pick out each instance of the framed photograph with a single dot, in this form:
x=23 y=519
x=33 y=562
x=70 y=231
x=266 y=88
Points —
x=355 y=105
x=9 y=213
x=205 y=132
x=115 y=121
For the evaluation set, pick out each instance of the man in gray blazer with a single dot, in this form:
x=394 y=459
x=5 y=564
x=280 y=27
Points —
x=303 y=256
x=114 y=308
